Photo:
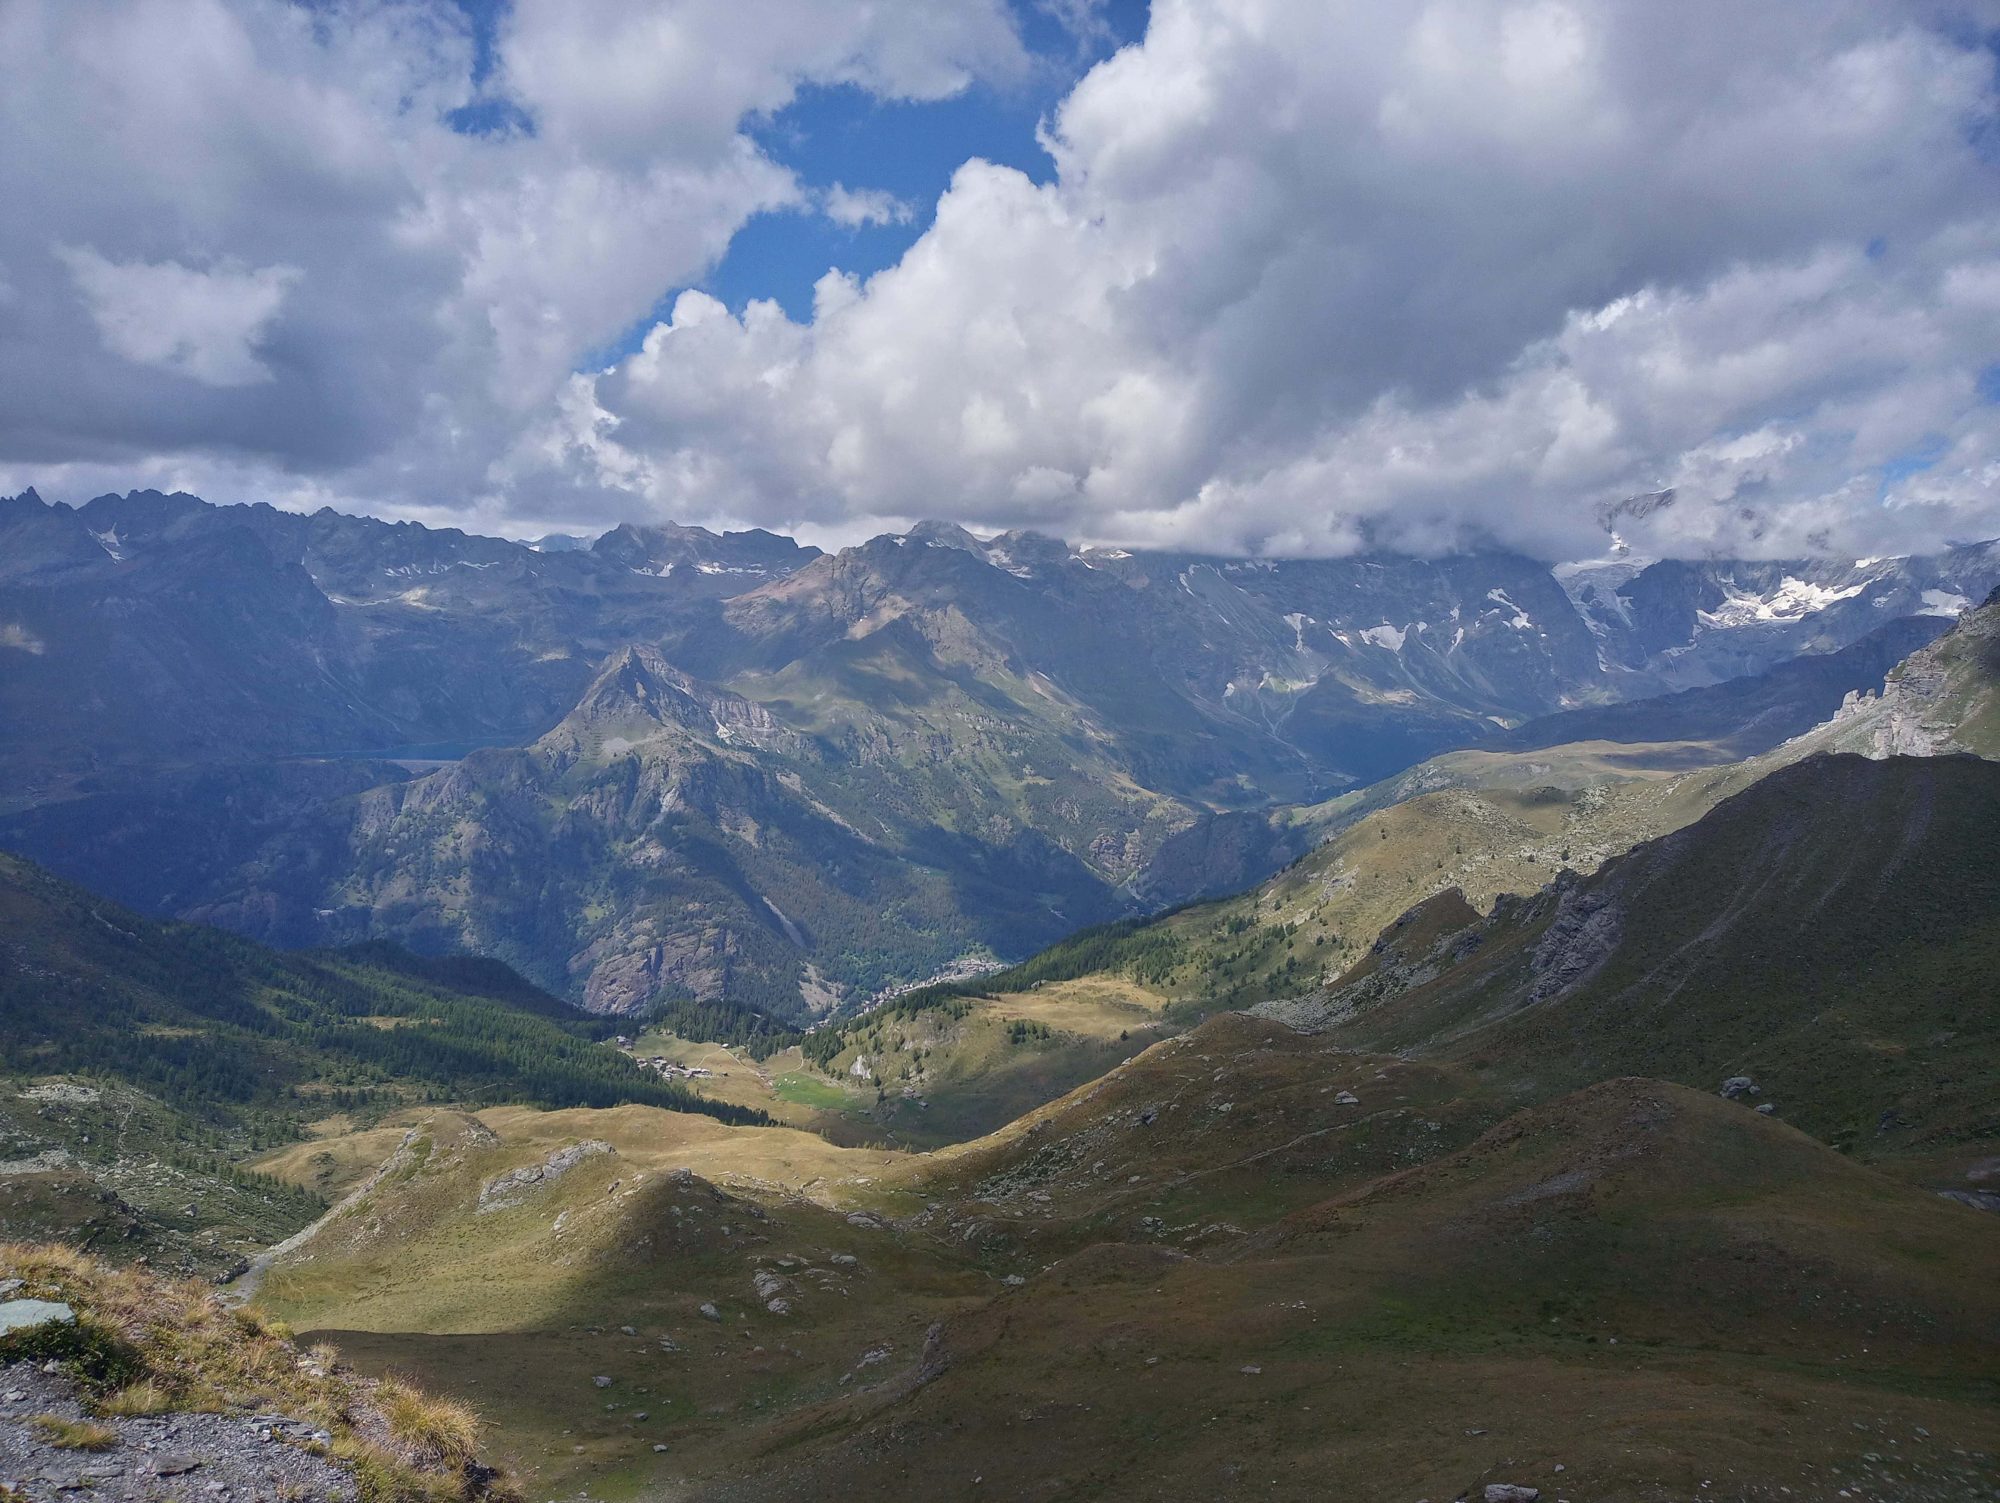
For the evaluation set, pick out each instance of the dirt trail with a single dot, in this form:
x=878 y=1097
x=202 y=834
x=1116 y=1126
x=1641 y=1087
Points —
x=243 y=1288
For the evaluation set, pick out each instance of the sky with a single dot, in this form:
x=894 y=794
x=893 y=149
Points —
x=1260 y=277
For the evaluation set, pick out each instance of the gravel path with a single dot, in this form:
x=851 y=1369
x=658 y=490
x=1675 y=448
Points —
x=186 y=1458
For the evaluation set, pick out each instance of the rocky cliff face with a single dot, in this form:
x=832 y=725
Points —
x=1944 y=698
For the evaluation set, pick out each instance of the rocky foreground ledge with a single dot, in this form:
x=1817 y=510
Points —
x=51 y=1445
x=117 y=1385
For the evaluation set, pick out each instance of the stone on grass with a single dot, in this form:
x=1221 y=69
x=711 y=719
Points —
x=28 y=1314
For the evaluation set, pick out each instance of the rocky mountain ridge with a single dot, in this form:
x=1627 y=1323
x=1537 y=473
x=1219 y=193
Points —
x=749 y=771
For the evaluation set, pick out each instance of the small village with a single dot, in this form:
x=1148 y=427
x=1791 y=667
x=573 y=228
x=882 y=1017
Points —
x=659 y=1064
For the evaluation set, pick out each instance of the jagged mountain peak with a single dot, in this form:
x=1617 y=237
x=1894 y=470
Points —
x=638 y=692
x=945 y=535
x=668 y=548
x=637 y=681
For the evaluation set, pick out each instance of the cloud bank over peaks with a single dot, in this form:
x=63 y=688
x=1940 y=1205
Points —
x=1306 y=277
x=1313 y=277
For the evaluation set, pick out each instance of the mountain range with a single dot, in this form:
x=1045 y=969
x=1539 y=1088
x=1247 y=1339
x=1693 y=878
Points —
x=677 y=766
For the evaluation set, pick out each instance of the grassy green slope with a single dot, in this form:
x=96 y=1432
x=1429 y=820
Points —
x=953 y=1061
x=1832 y=932
x=140 y=1061
x=235 y=1030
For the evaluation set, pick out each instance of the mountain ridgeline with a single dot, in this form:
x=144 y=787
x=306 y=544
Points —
x=1460 y=836
x=680 y=767
x=1325 y=1233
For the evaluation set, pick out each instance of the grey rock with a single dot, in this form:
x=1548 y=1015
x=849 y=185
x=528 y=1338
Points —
x=1979 y=1200
x=1511 y=1492
x=1739 y=1085
x=1347 y=1098
x=708 y=1311
x=27 y=1314
x=1586 y=929
x=510 y=1188
x=1766 y=1109
x=601 y=1381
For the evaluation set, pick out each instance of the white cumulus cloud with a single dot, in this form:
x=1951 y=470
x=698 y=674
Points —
x=1432 y=276
x=248 y=249
x=854 y=207
x=203 y=324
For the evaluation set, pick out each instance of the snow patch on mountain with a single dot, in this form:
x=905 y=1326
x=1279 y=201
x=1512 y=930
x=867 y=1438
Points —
x=1519 y=620
x=1793 y=600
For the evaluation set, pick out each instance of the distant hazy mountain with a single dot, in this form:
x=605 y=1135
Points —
x=147 y=629
x=724 y=766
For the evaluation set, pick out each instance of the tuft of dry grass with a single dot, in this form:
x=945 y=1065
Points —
x=436 y=1432
x=135 y=1401
x=381 y=1475
x=75 y=1435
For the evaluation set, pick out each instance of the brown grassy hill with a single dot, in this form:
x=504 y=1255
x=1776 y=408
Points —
x=1637 y=1292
